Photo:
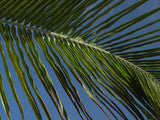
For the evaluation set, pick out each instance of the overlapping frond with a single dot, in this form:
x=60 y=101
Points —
x=82 y=39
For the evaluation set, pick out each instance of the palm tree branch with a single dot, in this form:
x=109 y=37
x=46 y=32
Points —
x=88 y=46
x=67 y=38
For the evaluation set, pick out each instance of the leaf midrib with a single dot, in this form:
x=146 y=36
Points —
x=72 y=40
x=55 y=34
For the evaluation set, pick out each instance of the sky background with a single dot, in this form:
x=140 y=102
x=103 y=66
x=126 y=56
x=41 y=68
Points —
x=91 y=107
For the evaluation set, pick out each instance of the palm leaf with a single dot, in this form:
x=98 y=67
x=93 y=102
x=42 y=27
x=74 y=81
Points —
x=4 y=99
x=81 y=41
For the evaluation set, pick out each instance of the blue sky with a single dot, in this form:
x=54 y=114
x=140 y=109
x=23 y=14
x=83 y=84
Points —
x=91 y=107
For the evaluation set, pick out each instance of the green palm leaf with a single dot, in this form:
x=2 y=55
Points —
x=82 y=41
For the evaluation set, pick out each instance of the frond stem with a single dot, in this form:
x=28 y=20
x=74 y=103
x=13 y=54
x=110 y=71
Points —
x=52 y=33
x=73 y=40
x=154 y=81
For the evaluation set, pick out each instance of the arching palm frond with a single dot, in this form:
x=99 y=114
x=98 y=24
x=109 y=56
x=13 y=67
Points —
x=101 y=44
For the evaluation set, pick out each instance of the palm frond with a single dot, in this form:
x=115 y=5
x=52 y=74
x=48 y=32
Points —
x=3 y=98
x=81 y=41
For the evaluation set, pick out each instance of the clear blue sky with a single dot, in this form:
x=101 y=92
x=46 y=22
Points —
x=91 y=107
